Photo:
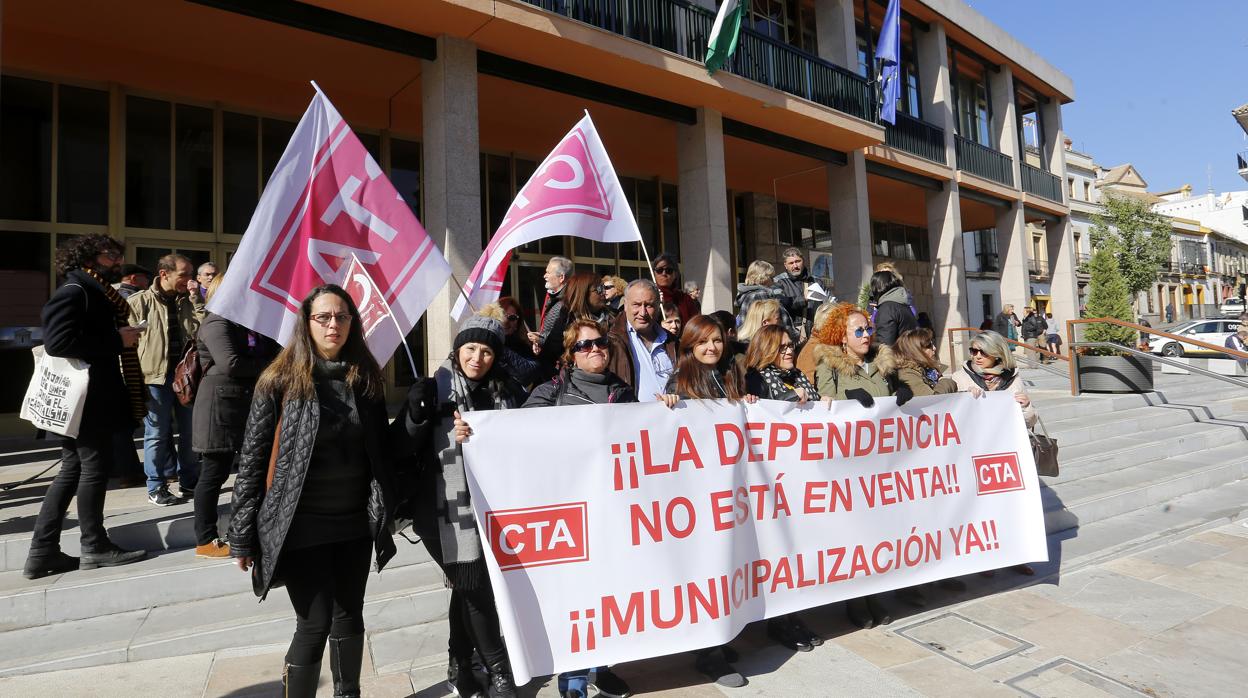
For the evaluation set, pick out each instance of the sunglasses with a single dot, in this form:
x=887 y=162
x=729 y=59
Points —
x=787 y=348
x=587 y=344
x=664 y=270
x=976 y=351
x=600 y=290
x=512 y=317
x=864 y=332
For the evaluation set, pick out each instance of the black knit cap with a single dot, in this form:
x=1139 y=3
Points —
x=482 y=330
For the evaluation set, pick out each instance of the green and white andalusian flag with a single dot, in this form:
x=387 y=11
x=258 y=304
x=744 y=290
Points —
x=724 y=33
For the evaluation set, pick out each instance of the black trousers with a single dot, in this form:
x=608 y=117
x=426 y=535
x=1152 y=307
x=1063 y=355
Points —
x=473 y=620
x=325 y=584
x=125 y=457
x=85 y=465
x=214 y=470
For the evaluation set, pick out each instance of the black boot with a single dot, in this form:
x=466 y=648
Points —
x=461 y=679
x=501 y=683
x=300 y=681
x=859 y=614
x=345 y=656
x=878 y=610
x=45 y=564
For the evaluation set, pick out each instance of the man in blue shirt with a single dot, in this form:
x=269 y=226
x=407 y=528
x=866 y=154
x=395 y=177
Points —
x=642 y=354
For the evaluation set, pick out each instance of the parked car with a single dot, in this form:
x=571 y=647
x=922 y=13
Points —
x=1208 y=331
x=1232 y=307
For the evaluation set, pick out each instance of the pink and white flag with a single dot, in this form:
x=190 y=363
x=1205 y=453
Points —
x=381 y=330
x=326 y=201
x=573 y=192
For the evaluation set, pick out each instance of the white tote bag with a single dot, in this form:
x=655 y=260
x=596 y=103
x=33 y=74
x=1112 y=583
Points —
x=56 y=394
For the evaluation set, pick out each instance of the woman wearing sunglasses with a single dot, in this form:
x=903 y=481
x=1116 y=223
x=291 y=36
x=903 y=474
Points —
x=315 y=493
x=667 y=277
x=848 y=368
x=517 y=353
x=585 y=297
x=913 y=363
x=585 y=380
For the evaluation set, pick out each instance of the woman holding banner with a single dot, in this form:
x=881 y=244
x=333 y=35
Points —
x=705 y=370
x=585 y=380
x=316 y=459
x=471 y=381
x=847 y=367
x=771 y=373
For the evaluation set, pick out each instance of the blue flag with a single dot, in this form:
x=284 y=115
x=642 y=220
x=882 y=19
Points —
x=888 y=57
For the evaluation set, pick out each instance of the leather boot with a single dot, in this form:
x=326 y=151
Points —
x=502 y=685
x=300 y=681
x=346 y=654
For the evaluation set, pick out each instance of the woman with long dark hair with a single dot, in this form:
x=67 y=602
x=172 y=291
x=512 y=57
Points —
x=314 y=496
x=472 y=380
x=586 y=298
x=893 y=314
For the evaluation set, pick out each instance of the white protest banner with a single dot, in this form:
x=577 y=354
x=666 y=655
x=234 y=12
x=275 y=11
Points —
x=573 y=192
x=56 y=394
x=633 y=531
x=326 y=201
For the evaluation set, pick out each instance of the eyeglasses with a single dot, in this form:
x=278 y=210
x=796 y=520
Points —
x=976 y=351
x=512 y=317
x=864 y=332
x=587 y=344
x=323 y=319
x=787 y=348
x=664 y=270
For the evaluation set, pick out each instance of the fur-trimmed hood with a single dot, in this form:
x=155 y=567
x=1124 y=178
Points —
x=882 y=359
x=892 y=363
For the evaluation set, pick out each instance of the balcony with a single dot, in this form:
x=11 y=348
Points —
x=1038 y=267
x=1037 y=181
x=1242 y=161
x=984 y=161
x=683 y=28
x=989 y=263
x=1083 y=263
x=917 y=137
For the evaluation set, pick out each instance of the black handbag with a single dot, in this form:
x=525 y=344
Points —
x=1044 y=450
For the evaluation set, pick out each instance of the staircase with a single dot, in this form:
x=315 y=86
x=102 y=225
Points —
x=1136 y=465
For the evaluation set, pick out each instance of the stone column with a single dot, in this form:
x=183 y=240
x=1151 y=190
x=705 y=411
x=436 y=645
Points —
x=1062 y=263
x=944 y=233
x=1012 y=243
x=451 y=157
x=851 y=225
x=835 y=32
x=704 y=241
x=1005 y=116
x=938 y=107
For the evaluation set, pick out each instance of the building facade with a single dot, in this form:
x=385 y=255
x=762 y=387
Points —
x=163 y=132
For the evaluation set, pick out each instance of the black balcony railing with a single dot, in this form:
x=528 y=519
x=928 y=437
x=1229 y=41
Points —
x=1037 y=181
x=684 y=28
x=918 y=137
x=989 y=262
x=984 y=161
x=1038 y=267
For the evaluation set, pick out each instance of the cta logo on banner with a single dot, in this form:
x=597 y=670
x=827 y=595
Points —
x=714 y=515
x=539 y=535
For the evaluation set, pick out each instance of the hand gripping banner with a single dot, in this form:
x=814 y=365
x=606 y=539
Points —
x=636 y=531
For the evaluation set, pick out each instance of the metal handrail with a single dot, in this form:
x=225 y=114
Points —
x=1072 y=344
x=1015 y=342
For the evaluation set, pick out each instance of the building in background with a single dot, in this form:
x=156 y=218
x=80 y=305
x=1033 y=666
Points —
x=163 y=132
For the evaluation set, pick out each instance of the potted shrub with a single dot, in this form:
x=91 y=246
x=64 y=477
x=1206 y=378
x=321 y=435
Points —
x=1104 y=369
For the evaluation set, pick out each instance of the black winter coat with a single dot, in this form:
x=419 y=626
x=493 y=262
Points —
x=892 y=319
x=560 y=391
x=80 y=323
x=230 y=372
x=261 y=519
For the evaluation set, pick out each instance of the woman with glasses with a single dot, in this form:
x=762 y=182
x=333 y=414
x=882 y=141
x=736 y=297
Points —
x=585 y=380
x=992 y=367
x=667 y=277
x=771 y=374
x=705 y=370
x=585 y=297
x=517 y=354
x=314 y=496
x=847 y=368
x=913 y=363
x=613 y=292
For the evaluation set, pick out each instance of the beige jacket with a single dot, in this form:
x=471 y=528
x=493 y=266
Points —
x=154 y=343
x=836 y=373
x=965 y=382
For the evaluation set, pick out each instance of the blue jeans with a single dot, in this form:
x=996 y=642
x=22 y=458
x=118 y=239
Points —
x=576 y=681
x=158 y=448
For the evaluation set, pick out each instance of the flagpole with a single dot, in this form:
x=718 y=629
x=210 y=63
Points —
x=463 y=293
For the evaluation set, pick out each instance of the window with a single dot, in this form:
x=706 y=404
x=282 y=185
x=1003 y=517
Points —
x=987 y=305
x=984 y=246
x=803 y=226
x=26 y=142
x=240 y=149
x=82 y=156
x=898 y=241
x=405 y=173
x=193 y=166
x=1087 y=191
x=148 y=158
x=1070 y=183
x=788 y=21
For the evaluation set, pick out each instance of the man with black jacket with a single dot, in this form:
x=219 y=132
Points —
x=86 y=319
x=793 y=282
x=1033 y=328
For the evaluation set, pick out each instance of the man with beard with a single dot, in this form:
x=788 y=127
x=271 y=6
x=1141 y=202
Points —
x=793 y=282
x=86 y=319
x=548 y=340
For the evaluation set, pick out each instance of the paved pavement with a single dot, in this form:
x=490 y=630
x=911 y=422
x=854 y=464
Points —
x=1165 y=617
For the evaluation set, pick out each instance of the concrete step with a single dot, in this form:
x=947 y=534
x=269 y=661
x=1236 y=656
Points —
x=1095 y=498
x=1132 y=449
x=412 y=596
x=1138 y=421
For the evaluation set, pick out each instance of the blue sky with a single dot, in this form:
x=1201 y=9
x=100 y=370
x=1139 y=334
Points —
x=1155 y=80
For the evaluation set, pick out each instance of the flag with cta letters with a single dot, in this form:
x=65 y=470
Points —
x=573 y=192
x=327 y=202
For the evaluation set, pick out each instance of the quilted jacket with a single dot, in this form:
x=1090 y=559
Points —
x=261 y=519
